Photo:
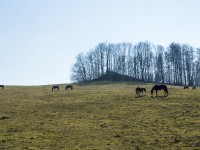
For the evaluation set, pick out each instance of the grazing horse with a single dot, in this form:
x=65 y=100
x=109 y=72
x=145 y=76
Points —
x=159 y=87
x=55 y=87
x=2 y=86
x=186 y=87
x=69 y=87
x=139 y=90
x=194 y=87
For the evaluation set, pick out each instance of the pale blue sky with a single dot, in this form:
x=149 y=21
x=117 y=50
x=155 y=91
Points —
x=40 y=39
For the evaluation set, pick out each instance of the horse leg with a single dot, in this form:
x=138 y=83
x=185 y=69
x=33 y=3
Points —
x=156 y=93
x=138 y=93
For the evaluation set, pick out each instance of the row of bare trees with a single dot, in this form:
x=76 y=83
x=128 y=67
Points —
x=177 y=64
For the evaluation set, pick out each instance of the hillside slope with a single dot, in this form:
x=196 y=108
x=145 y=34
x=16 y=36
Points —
x=93 y=116
x=113 y=76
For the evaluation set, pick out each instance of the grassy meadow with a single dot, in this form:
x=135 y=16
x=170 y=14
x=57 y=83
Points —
x=98 y=116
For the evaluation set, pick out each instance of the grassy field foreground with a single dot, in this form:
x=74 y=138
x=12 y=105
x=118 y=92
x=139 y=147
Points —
x=98 y=116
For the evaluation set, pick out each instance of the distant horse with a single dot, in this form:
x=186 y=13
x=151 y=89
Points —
x=186 y=87
x=2 y=86
x=159 y=87
x=139 y=90
x=55 y=87
x=194 y=87
x=69 y=87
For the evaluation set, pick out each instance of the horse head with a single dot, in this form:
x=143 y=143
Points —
x=152 y=92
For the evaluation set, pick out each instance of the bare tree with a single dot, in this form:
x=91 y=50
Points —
x=188 y=59
x=174 y=54
x=159 y=64
x=197 y=68
x=79 y=69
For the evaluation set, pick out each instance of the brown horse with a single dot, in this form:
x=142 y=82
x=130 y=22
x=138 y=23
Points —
x=69 y=87
x=139 y=90
x=186 y=87
x=55 y=87
x=159 y=87
x=194 y=87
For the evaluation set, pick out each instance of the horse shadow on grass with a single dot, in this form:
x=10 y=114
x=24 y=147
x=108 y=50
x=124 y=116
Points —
x=160 y=97
x=140 y=96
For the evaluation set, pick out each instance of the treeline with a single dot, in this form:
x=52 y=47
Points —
x=177 y=64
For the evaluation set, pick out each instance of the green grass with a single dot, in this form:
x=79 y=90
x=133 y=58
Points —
x=98 y=116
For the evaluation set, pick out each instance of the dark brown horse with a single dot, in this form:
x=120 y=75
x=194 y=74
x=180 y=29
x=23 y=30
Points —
x=186 y=87
x=194 y=87
x=159 y=87
x=69 y=87
x=55 y=87
x=2 y=86
x=139 y=90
